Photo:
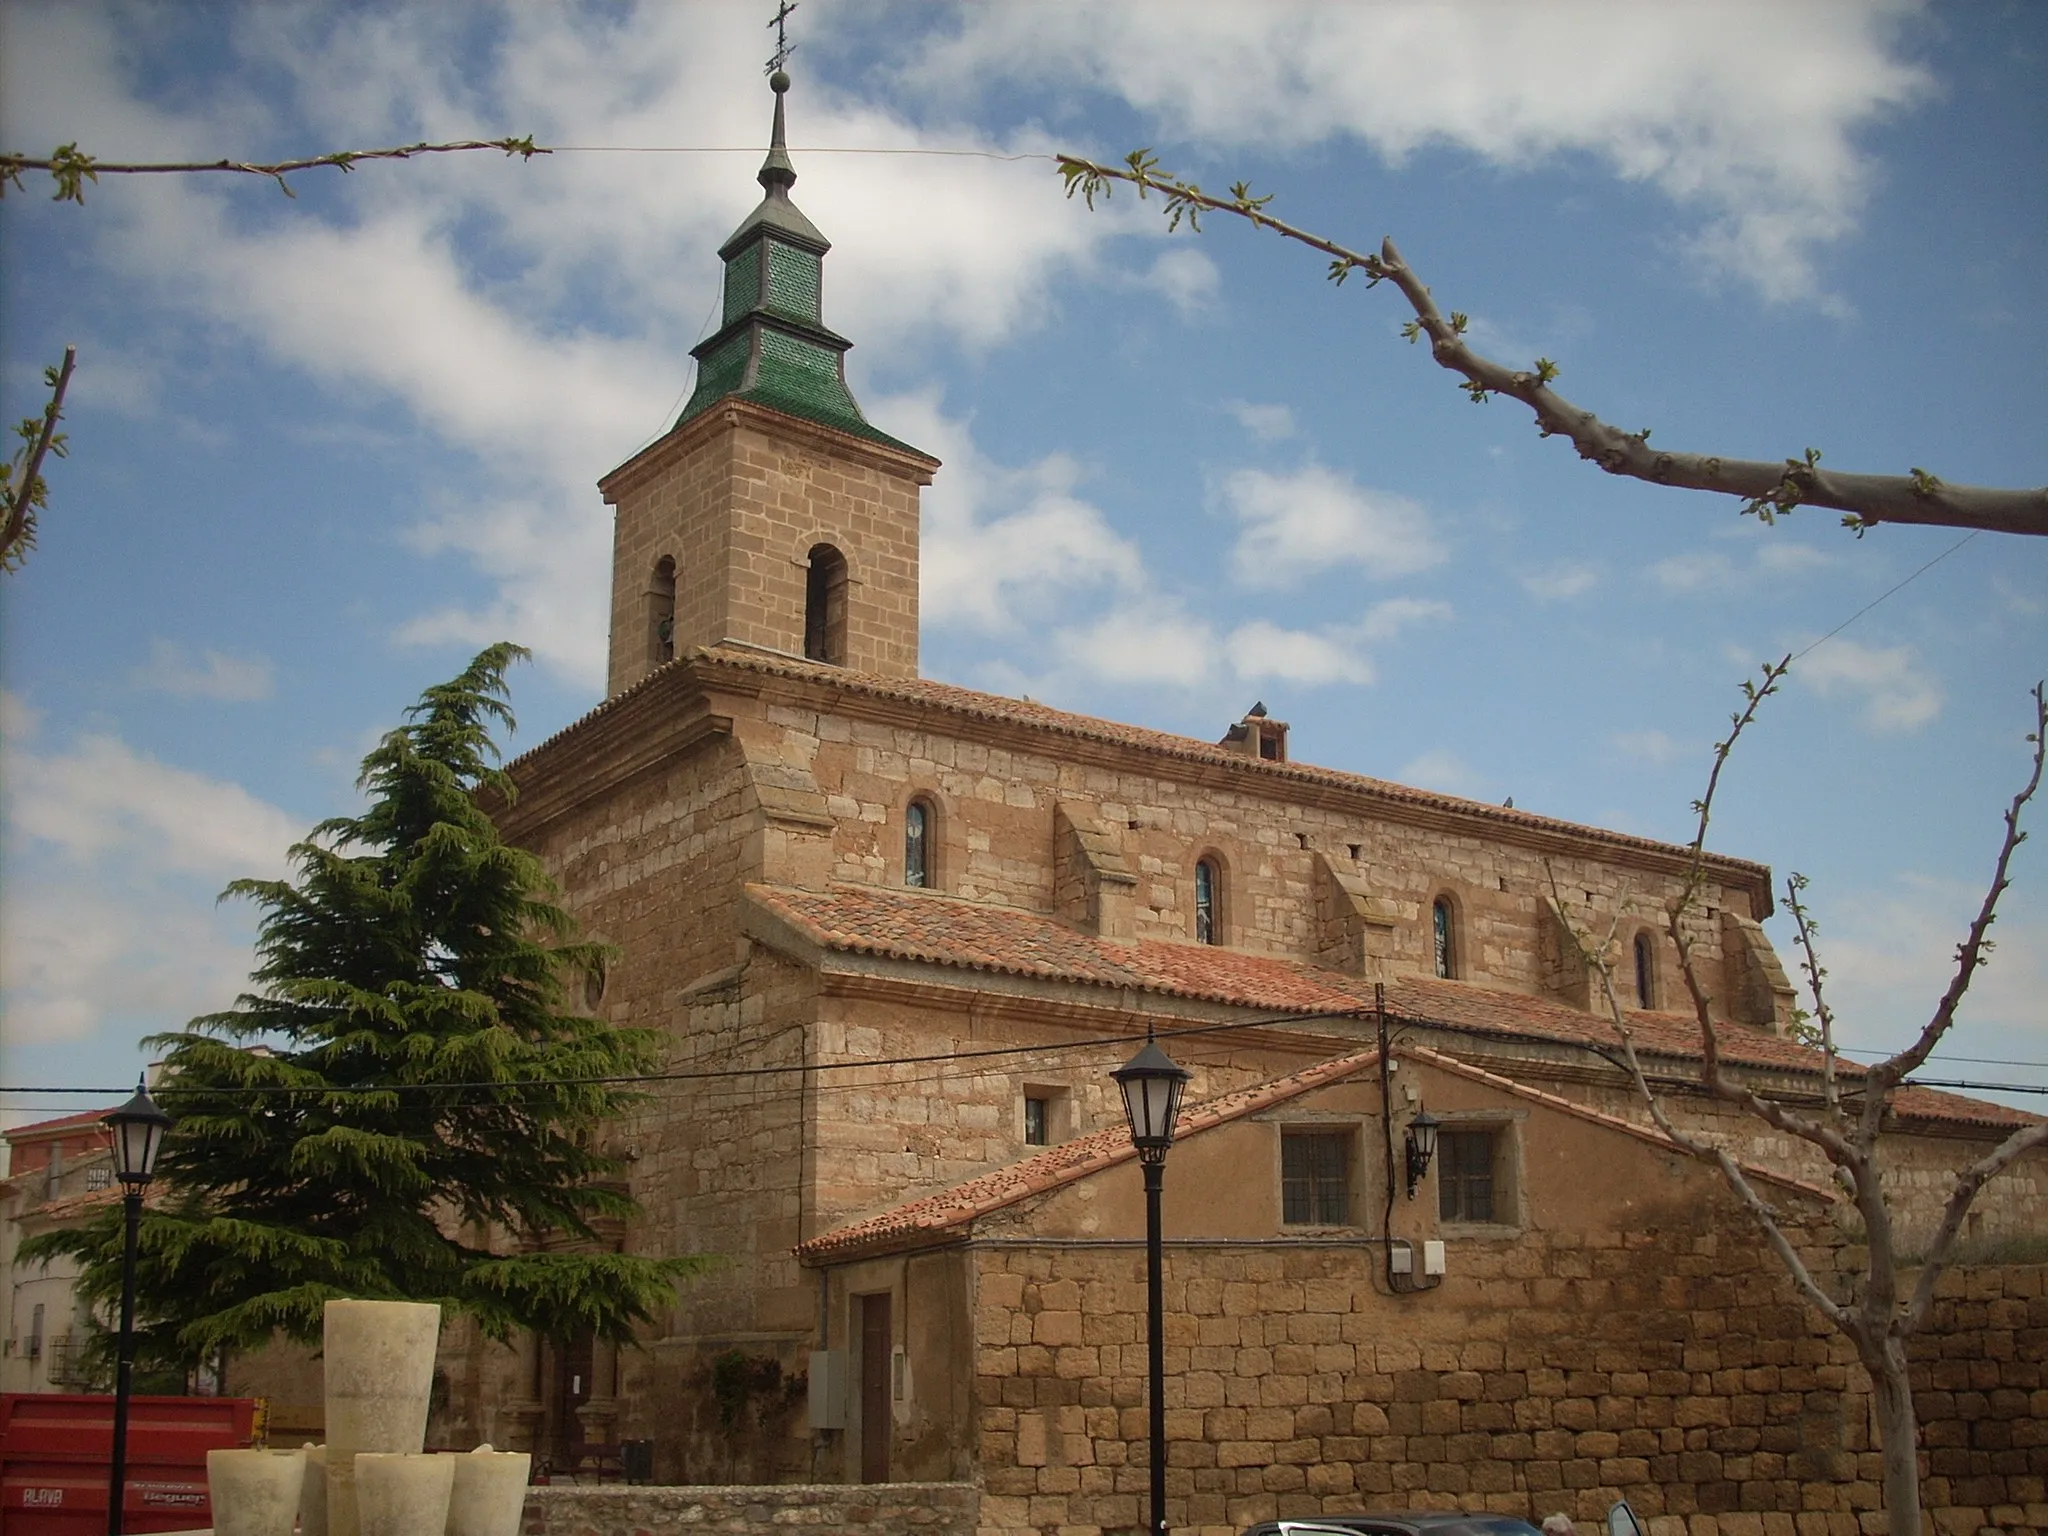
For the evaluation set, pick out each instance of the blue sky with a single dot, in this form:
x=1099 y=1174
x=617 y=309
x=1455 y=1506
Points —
x=323 y=448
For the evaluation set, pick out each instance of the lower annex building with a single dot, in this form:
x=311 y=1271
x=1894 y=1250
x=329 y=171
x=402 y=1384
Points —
x=898 y=933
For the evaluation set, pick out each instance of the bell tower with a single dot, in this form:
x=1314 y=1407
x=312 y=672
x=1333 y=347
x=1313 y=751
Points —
x=772 y=514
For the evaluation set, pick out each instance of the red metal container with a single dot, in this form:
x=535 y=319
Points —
x=57 y=1449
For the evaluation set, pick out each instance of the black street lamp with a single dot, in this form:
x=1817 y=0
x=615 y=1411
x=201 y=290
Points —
x=1421 y=1148
x=1152 y=1084
x=138 y=1128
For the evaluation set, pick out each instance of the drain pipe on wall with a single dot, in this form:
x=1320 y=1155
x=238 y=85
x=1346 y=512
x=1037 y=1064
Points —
x=1402 y=1281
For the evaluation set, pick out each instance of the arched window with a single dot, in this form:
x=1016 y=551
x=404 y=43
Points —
x=1208 y=902
x=1646 y=971
x=917 y=843
x=825 y=606
x=661 y=613
x=1444 y=945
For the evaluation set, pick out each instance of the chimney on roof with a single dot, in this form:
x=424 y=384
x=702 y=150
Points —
x=1258 y=735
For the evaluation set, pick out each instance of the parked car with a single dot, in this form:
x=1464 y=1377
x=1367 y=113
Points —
x=1436 y=1522
x=1621 y=1521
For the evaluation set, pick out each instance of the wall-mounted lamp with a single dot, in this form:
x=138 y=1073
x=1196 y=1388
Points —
x=1421 y=1148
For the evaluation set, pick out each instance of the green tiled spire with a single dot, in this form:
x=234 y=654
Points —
x=772 y=345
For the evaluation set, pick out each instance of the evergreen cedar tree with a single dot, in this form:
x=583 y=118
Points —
x=422 y=1083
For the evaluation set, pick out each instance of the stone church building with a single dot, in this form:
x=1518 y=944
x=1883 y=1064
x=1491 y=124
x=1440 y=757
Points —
x=896 y=934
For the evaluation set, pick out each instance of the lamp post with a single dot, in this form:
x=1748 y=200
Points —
x=1152 y=1084
x=1421 y=1147
x=138 y=1128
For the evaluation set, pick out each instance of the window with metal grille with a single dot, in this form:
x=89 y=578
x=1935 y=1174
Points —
x=1206 y=883
x=1315 y=1178
x=1464 y=1175
x=917 y=845
x=99 y=1176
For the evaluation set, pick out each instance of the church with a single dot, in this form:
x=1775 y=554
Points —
x=1423 y=1245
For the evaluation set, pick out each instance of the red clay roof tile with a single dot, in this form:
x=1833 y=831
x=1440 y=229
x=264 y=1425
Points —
x=979 y=936
x=951 y=1213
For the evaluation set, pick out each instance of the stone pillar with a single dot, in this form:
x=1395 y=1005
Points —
x=599 y=1414
x=519 y=1416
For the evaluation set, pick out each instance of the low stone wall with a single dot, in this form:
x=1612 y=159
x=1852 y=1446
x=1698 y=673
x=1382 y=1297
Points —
x=1682 y=1374
x=1980 y=1387
x=878 y=1509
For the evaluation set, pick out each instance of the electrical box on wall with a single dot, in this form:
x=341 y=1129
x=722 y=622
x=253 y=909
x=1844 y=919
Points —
x=828 y=1389
x=1433 y=1257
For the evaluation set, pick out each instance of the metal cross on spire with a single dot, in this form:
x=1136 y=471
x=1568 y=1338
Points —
x=783 y=47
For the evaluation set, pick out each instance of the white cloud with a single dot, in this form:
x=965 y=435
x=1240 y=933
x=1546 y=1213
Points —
x=97 y=918
x=1891 y=952
x=1771 y=556
x=1442 y=770
x=173 y=670
x=103 y=801
x=1561 y=582
x=77 y=958
x=1696 y=100
x=1141 y=643
x=1261 y=650
x=1387 y=618
x=1000 y=543
x=1294 y=525
x=1267 y=423
x=501 y=360
x=1186 y=278
x=1785 y=557
x=1648 y=746
x=1700 y=570
x=1897 y=693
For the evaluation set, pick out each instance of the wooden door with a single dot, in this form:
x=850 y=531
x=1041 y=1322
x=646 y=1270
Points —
x=876 y=1417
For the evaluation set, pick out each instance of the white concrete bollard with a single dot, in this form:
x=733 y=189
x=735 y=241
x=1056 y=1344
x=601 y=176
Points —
x=254 y=1493
x=313 y=1494
x=490 y=1492
x=379 y=1366
x=403 y=1495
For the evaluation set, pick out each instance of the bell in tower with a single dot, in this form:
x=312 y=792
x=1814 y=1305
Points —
x=772 y=515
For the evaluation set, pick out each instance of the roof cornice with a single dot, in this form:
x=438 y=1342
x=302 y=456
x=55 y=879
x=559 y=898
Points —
x=734 y=411
x=1100 y=743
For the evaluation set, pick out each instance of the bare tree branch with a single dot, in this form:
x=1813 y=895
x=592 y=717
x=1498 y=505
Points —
x=1974 y=950
x=24 y=491
x=1816 y=973
x=1684 y=1141
x=1767 y=489
x=71 y=170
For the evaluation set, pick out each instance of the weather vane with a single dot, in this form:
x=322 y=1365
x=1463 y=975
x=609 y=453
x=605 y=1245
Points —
x=783 y=47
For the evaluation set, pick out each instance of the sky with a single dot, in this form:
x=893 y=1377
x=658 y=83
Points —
x=325 y=447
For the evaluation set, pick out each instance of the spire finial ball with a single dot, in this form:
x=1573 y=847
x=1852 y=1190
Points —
x=778 y=82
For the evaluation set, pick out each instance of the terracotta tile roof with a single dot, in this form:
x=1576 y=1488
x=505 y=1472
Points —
x=969 y=703
x=934 y=1217
x=1644 y=1133
x=41 y=1128
x=950 y=1214
x=978 y=936
x=75 y=1207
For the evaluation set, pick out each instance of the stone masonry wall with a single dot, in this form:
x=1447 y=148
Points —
x=1919 y=1170
x=1980 y=1387
x=997 y=808
x=1673 y=1367
x=738 y=509
x=880 y=1509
